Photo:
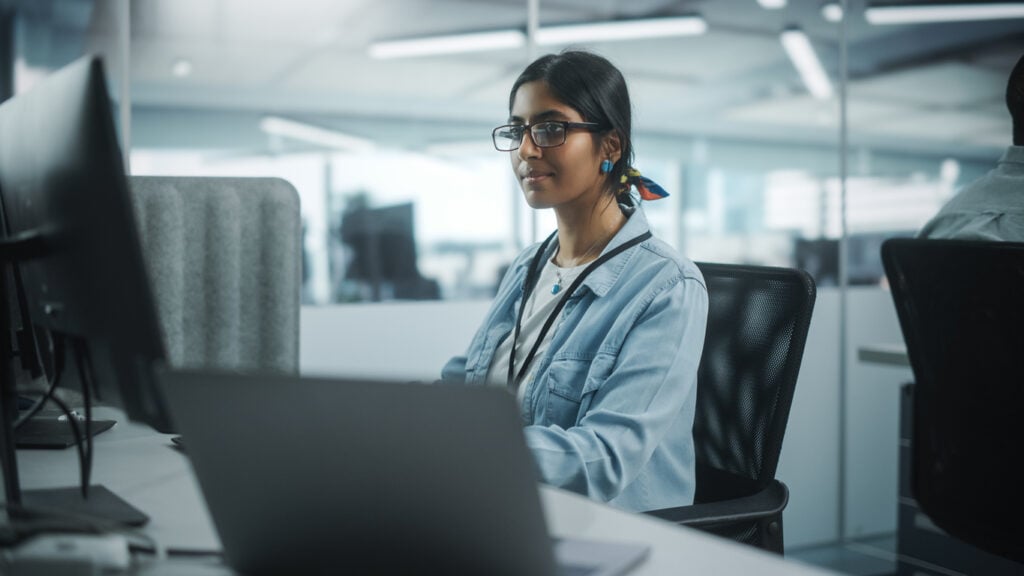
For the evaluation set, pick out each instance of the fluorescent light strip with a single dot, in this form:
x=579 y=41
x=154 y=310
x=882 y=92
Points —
x=546 y=36
x=314 y=134
x=453 y=44
x=801 y=53
x=832 y=12
x=182 y=67
x=772 y=4
x=621 y=30
x=922 y=13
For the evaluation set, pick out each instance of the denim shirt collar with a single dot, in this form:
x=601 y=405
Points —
x=601 y=280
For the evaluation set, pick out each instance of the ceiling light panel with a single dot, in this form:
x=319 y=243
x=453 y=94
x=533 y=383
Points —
x=621 y=30
x=919 y=13
x=832 y=12
x=451 y=44
x=314 y=134
x=801 y=53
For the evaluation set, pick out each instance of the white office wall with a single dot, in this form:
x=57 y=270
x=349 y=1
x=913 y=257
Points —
x=872 y=409
x=809 y=463
x=402 y=340
x=810 y=456
x=413 y=341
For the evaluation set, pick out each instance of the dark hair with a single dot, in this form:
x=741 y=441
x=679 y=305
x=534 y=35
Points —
x=1015 y=101
x=595 y=88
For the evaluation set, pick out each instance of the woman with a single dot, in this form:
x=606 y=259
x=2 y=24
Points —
x=606 y=322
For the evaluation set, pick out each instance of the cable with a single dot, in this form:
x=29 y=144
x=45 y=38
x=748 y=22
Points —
x=58 y=370
x=79 y=444
x=83 y=446
x=21 y=420
x=84 y=376
x=87 y=390
x=73 y=422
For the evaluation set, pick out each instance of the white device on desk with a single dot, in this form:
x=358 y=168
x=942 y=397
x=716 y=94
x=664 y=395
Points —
x=312 y=476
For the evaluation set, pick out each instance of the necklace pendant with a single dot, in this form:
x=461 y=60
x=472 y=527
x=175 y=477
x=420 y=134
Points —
x=555 y=288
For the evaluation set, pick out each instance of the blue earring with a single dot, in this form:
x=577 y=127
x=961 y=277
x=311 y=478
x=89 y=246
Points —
x=606 y=166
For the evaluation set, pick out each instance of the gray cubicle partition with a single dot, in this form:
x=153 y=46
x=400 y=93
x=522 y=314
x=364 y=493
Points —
x=224 y=257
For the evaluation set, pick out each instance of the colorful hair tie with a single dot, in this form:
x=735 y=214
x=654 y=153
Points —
x=648 y=189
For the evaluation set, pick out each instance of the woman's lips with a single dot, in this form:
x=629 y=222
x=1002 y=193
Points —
x=535 y=177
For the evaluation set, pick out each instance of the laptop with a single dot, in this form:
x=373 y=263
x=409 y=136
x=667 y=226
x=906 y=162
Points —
x=318 y=476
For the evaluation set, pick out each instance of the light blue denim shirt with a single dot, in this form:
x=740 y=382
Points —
x=609 y=409
x=990 y=208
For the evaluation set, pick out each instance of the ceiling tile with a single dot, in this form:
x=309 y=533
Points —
x=949 y=84
x=803 y=110
x=946 y=125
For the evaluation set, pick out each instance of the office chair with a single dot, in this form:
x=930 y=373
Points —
x=758 y=319
x=961 y=309
x=224 y=257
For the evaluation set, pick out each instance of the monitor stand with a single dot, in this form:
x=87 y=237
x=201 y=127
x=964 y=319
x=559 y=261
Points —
x=101 y=503
x=49 y=433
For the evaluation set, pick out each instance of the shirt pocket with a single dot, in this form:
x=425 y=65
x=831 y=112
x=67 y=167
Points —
x=571 y=384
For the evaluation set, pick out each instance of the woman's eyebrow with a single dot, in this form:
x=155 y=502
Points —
x=545 y=115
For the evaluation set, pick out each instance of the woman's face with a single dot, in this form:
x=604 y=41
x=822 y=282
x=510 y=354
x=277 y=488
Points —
x=562 y=176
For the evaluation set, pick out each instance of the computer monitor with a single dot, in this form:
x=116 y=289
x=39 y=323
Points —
x=384 y=251
x=71 y=233
x=382 y=241
x=820 y=258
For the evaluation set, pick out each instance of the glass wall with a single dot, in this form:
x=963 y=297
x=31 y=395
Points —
x=724 y=119
x=396 y=153
x=927 y=115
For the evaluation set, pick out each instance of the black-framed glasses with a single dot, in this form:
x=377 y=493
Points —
x=546 y=134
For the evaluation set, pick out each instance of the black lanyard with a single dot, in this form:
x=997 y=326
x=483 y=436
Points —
x=532 y=277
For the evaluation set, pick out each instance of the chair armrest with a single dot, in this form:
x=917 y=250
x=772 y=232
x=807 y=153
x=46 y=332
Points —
x=768 y=502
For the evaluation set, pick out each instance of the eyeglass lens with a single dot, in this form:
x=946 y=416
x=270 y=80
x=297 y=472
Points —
x=544 y=134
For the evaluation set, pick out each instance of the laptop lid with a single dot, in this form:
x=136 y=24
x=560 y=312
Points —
x=310 y=476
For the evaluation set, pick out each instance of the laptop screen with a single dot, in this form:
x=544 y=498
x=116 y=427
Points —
x=315 y=475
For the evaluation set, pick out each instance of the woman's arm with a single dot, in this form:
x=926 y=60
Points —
x=454 y=371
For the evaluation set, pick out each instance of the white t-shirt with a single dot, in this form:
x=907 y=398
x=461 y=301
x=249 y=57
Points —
x=540 y=305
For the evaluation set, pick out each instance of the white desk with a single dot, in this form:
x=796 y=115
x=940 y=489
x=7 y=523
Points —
x=140 y=466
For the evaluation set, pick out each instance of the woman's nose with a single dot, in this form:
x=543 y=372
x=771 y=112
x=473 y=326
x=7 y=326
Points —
x=527 y=148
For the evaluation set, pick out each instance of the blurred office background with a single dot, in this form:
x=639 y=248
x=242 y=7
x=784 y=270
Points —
x=723 y=119
x=404 y=198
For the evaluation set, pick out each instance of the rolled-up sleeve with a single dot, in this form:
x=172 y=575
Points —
x=454 y=370
x=645 y=400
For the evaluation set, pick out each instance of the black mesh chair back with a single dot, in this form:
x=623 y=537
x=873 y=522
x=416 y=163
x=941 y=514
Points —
x=757 y=325
x=758 y=318
x=961 y=309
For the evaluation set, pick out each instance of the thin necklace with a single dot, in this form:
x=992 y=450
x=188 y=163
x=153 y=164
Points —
x=559 y=279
